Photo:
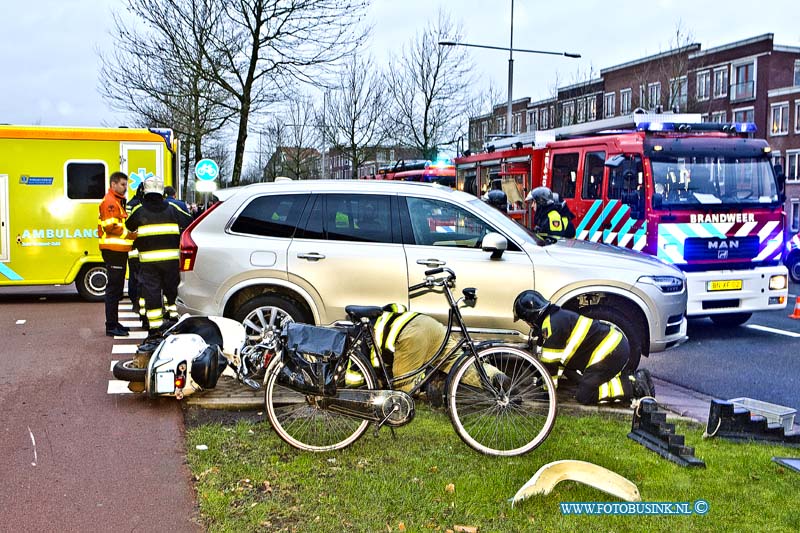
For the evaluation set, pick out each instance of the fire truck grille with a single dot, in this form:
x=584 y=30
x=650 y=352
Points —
x=696 y=248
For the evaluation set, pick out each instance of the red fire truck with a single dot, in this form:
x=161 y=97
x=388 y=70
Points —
x=440 y=171
x=702 y=196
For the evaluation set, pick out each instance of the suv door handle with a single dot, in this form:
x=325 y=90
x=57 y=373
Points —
x=431 y=262
x=312 y=256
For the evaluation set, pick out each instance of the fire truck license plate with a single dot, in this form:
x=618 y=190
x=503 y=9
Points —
x=726 y=285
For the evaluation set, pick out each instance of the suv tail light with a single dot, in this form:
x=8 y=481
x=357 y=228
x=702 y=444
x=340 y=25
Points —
x=188 y=246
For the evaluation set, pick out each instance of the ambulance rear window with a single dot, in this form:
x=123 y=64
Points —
x=86 y=181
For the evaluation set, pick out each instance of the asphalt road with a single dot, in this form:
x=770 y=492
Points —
x=738 y=362
x=73 y=457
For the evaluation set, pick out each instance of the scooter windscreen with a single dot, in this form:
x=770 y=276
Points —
x=208 y=367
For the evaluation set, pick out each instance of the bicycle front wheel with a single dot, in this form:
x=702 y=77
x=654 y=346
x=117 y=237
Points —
x=509 y=420
x=301 y=423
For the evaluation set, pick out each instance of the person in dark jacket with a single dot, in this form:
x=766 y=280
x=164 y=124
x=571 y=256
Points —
x=134 y=267
x=158 y=225
x=594 y=350
x=169 y=192
x=551 y=218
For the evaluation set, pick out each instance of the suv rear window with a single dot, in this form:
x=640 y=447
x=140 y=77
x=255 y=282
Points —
x=271 y=215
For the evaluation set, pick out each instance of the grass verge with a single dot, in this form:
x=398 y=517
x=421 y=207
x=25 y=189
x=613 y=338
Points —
x=428 y=480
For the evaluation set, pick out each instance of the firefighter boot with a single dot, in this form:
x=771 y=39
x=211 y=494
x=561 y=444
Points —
x=643 y=384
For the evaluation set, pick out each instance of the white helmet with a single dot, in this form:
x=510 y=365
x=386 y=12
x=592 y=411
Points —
x=154 y=185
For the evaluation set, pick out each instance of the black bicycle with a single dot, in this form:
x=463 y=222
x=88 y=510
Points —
x=504 y=417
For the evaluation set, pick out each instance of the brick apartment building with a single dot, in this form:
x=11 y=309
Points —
x=752 y=80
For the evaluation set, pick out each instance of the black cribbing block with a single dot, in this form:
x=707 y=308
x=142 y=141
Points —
x=650 y=429
x=727 y=421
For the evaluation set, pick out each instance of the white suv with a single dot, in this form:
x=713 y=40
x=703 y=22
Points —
x=306 y=249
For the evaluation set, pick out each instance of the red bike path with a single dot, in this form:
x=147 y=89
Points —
x=72 y=456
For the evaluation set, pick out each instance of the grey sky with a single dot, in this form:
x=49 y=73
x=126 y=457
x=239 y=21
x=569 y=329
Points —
x=49 y=63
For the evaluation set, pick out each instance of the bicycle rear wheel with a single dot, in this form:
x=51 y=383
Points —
x=301 y=423
x=513 y=422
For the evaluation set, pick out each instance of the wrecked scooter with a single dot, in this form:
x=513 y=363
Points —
x=193 y=355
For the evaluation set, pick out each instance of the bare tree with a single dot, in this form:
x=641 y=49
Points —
x=301 y=156
x=355 y=114
x=429 y=85
x=258 y=48
x=481 y=103
x=668 y=69
x=153 y=72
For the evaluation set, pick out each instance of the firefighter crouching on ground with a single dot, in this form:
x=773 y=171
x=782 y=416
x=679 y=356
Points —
x=115 y=243
x=597 y=349
x=551 y=218
x=159 y=227
x=407 y=341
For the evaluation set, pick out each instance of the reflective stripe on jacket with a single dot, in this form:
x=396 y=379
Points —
x=111 y=224
x=387 y=328
x=575 y=341
x=158 y=226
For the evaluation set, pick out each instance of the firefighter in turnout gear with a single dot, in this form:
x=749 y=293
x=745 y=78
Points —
x=597 y=350
x=407 y=341
x=134 y=267
x=115 y=243
x=159 y=227
x=551 y=218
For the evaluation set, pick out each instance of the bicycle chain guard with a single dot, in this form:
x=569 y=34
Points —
x=391 y=407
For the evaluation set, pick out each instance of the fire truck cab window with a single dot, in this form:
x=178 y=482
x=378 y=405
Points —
x=625 y=183
x=565 y=173
x=593 y=167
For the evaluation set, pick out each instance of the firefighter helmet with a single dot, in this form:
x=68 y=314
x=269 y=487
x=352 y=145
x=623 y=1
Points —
x=531 y=307
x=154 y=185
x=542 y=196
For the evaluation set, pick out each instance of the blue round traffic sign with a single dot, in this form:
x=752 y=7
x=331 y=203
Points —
x=206 y=170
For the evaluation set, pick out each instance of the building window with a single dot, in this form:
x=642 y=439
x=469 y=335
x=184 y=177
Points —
x=532 y=115
x=721 y=82
x=608 y=104
x=719 y=117
x=582 y=110
x=515 y=124
x=792 y=166
x=543 y=118
x=703 y=85
x=797 y=72
x=779 y=123
x=744 y=85
x=484 y=131
x=568 y=113
x=501 y=125
x=797 y=116
x=678 y=93
x=794 y=222
x=552 y=115
x=625 y=96
x=654 y=94
x=642 y=96
x=591 y=108
x=746 y=114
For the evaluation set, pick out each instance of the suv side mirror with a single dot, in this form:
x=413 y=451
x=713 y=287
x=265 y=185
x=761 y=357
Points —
x=495 y=243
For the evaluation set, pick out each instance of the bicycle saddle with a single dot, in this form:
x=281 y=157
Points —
x=357 y=312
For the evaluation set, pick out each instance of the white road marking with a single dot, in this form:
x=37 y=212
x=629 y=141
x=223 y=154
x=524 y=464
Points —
x=125 y=307
x=133 y=335
x=128 y=314
x=774 y=330
x=20 y=322
x=116 y=386
x=124 y=348
x=131 y=323
x=33 y=441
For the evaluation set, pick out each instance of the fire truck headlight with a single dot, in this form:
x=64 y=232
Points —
x=778 y=283
x=664 y=283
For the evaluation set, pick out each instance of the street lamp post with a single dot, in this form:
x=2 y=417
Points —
x=511 y=50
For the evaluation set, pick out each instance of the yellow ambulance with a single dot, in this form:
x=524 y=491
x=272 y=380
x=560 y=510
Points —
x=52 y=180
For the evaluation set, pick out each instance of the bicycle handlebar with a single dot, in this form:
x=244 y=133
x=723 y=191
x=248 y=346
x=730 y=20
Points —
x=430 y=282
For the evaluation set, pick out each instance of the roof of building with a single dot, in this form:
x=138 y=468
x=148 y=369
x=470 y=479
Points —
x=688 y=48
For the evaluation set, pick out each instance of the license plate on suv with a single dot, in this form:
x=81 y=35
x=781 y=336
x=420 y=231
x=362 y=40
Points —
x=725 y=285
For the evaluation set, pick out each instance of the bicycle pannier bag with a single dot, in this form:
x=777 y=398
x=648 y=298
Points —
x=312 y=358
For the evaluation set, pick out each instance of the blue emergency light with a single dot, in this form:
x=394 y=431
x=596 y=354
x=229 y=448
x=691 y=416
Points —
x=728 y=127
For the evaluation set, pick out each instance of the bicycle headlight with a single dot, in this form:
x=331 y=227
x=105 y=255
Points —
x=667 y=284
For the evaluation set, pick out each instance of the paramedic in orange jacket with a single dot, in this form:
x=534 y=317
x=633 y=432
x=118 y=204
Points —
x=115 y=243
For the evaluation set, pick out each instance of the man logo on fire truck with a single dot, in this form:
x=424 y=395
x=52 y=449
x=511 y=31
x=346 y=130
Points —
x=702 y=196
